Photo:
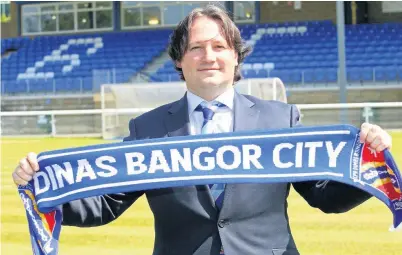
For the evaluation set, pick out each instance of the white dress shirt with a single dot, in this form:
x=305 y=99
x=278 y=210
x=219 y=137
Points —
x=222 y=121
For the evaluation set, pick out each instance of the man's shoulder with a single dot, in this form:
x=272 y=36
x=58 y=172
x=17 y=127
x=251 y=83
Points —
x=262 y=103
x=155 y=113
x=278 y=110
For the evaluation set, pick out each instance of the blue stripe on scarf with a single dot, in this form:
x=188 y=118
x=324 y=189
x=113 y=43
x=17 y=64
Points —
x=284 y=155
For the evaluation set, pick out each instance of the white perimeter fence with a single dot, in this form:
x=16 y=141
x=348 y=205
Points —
x=113 y=123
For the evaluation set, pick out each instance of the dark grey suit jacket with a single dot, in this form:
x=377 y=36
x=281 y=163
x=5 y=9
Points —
x=253 y=219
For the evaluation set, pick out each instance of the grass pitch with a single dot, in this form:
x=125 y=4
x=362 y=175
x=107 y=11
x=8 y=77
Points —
x=364 y=230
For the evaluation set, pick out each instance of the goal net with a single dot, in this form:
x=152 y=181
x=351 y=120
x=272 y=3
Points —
x=122 y=102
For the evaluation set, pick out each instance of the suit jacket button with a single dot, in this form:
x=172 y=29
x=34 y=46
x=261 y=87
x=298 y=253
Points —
x=222 y=223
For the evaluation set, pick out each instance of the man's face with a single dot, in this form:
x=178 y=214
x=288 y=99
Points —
x=208 y=62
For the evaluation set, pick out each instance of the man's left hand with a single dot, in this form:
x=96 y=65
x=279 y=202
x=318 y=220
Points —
x=376 y=137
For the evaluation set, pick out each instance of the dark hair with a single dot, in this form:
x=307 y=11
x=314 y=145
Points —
x=180 y=36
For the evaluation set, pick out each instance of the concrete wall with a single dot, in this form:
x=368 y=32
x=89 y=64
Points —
x=353 y=96
x=10 y=29
x=375 y=14
x=319 y=10
x=282 y=12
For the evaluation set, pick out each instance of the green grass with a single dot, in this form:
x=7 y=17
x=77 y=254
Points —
x=364 y=230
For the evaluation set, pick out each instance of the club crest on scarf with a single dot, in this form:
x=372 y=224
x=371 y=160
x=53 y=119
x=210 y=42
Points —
x=379 y=171
x=376 y=172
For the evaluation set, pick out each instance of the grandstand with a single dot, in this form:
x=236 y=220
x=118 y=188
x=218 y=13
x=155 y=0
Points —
x=300 y=53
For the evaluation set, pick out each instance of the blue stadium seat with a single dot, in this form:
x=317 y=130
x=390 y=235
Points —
x=175 y=77
x=36 y=86
x=320 y=75
x=353 y=74
x=391 y=73
x=296 y=76
x=284 y=75
x=308 y=76
x=16 y=87
x=367 y=74
x=399 y=71
x=250 y=73
x=262 y=73
x=332 y=75
x=380 y=74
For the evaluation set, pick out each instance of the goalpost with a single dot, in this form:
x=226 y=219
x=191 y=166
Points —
x=121 y=102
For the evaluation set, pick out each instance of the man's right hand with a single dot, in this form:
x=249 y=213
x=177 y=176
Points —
x=26 y=169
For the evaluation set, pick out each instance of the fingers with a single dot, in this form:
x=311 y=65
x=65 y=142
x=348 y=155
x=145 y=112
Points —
x=26 y=169
x=364 y=130
x=33 y=161
x=18 y=180
x=382 y=147
x=377 y=138
x=22 y=176
x=373 y=133
x=374 y=141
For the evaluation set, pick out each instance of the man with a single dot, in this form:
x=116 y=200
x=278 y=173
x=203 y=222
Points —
x=249 y=218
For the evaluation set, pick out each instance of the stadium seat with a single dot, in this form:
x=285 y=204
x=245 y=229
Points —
x=392 y=73
x=380 y=74
x=262 y=73
x=367 y=74
x=353 y=74
x=308 y=76
x=250 y=73
x=320 y=76
x=295 y=76
x=332 y=75
x=399 y=71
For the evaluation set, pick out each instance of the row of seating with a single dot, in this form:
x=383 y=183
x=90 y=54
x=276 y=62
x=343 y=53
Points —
x=328 y=63
x=297 y=51
x=251 y=70
x=49 y=86
x=318 y=75
x=326 y=25
x=69 y=84
x=329 y=75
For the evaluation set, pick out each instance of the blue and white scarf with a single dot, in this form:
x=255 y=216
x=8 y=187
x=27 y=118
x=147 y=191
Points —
x=284 y=155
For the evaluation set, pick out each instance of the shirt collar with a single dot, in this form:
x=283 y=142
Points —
x=226 y=98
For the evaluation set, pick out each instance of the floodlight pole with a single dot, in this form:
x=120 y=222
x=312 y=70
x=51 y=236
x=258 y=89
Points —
x=340 y=21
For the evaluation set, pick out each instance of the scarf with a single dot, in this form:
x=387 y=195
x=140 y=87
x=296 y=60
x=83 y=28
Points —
x=265 y=156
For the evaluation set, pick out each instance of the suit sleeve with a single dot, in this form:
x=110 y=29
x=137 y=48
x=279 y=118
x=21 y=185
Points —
x=100 y=210
x=328 y=196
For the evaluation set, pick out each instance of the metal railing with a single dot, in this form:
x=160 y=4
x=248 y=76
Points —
x=91 y=122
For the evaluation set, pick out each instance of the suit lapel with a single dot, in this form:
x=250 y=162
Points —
x=177 y=123
x=246 y=117
x=245 y=114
